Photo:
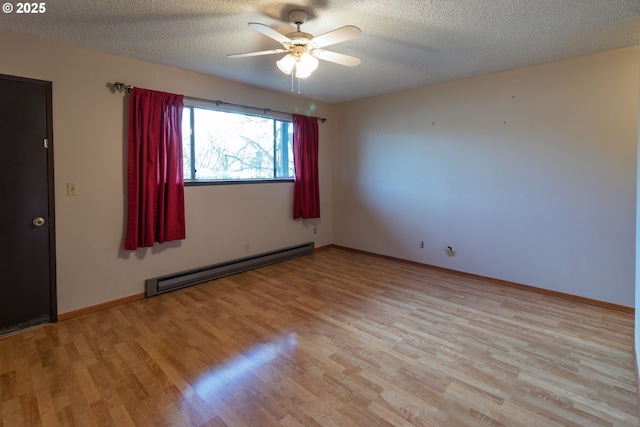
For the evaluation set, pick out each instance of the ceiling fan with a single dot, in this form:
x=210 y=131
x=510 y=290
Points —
x=303 y=49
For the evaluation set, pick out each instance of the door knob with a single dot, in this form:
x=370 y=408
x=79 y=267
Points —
x=38 y=222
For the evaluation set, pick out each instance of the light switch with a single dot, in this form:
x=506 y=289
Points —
x=72 y=189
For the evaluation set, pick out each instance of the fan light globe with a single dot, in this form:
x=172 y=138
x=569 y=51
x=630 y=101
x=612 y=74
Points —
x=306 y=65
x=286 y=64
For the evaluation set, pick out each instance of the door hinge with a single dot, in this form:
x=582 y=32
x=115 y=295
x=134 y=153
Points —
x=46 y=143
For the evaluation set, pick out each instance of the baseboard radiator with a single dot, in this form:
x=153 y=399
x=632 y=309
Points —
x=171 y=282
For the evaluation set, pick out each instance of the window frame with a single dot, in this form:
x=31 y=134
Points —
x=234 y=109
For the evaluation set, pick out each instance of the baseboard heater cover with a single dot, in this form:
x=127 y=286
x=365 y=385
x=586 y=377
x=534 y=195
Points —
x=171 y=282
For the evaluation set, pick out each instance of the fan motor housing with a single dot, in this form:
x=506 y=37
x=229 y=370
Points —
x=298 y=37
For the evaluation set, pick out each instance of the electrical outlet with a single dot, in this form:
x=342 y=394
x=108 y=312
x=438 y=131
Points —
x=315 y=230
x=247 y=248
x=450 y=252
x=421 y=245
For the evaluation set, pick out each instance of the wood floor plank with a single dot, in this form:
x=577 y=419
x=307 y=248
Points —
x=12 y=412
x=66 y=418
x=119 y=415
x=46 y=409
x=337 y=338
x=30 y=411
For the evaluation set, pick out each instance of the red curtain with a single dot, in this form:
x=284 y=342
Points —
x=155 y=187
x=306 y=191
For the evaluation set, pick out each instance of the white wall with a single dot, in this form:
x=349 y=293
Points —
x=530 y=175
x=89 y=142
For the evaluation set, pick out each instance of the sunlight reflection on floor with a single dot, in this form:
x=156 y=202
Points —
x=219 y=377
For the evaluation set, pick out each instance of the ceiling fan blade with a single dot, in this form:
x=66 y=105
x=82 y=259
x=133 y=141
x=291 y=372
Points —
x=338 y=58
x=339 y=35
x=269 y=32
x=263 y=52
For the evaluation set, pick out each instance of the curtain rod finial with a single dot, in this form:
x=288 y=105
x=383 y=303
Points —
x=121 y=87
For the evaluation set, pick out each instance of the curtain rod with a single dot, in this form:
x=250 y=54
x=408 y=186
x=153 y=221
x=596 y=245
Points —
x=121 y=87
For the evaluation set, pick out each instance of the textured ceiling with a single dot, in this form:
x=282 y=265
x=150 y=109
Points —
x=404 y=44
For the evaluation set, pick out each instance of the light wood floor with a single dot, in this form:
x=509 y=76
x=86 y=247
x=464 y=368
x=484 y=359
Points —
x=336 y=338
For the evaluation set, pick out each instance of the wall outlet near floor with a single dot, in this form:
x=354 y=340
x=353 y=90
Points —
x=247 y=248
x=421 y=245
x=450 y=252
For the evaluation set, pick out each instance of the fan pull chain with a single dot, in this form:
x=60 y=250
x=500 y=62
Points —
x=296 y=68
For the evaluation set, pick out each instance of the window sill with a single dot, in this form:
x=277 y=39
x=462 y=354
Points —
x=235 y=181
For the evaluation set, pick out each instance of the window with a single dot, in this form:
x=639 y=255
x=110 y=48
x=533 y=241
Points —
x=235 y=146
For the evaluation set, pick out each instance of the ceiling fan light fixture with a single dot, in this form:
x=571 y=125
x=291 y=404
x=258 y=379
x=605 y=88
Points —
x=304 y=64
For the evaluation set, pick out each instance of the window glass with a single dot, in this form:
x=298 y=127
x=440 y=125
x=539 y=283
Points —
x=230 y=146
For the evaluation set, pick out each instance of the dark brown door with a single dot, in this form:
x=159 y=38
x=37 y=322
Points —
x=27 y=267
